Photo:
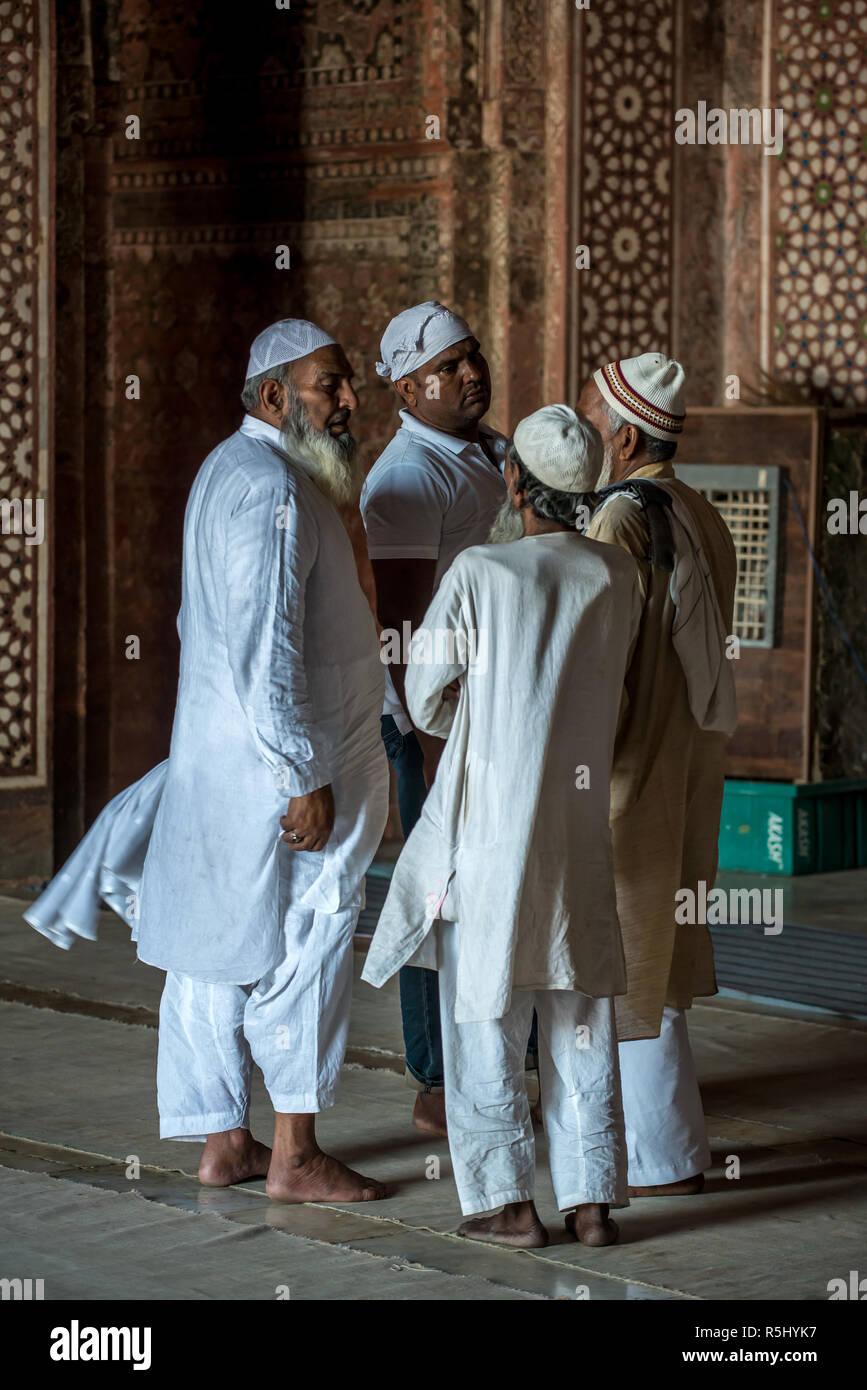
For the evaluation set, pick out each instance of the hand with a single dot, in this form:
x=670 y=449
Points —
x=309 y=820
x=452 y=691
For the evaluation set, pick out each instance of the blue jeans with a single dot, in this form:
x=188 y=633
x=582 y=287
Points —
x=419 y=988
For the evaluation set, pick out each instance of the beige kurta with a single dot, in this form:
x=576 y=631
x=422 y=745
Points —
x=667 y=782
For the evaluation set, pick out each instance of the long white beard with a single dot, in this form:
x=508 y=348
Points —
x=508 y=525
x=337 y=470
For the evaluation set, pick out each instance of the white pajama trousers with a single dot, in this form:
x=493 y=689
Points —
x=292 y=1023
x=665 y=1130
x=487 y=1110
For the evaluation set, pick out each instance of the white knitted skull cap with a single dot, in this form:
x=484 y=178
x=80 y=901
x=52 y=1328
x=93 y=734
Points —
x=283 y=342
x=560 y=448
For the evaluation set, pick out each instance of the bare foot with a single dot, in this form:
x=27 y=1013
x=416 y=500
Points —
x=686 y=1187
x=233 y=1156
x=591 y=1224
x=517 y=1225
x=317 y=1177
x=429 y=1113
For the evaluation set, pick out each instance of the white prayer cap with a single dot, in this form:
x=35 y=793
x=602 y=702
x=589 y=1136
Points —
x=285 y=341
x=418 y=334
x=647 y=391
x=560 y=448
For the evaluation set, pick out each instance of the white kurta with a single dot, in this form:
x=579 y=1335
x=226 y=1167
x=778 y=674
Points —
x=507 y=844
x=106 y=867
x=280 y=692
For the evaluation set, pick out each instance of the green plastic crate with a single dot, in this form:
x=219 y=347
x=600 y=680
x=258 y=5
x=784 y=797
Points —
x=793 y=828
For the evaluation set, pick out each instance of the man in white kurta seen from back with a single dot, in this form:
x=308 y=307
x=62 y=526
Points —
x=506 y=883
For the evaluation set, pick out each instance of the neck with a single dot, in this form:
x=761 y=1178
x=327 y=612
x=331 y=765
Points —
x=539 y=526
x=629 y=466
x=267 y=419
x=468 y=432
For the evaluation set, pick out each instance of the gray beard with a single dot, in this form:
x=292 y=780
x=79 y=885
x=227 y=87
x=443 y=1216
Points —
x=607 y=468
x=508 y=525
x=336 y=468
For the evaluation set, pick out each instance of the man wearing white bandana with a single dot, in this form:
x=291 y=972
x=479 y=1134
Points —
x=506 y=883
x=245 y=852
x=434 y=490
x=667 y=783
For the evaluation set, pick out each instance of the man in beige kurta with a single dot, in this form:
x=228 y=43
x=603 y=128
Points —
x=667 y=782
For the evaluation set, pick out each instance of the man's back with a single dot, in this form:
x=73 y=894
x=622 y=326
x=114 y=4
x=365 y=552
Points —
x=557 y=614
x=515 y=830
x=658 y=706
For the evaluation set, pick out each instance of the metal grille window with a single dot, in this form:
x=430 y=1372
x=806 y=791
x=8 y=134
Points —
x=748 y=500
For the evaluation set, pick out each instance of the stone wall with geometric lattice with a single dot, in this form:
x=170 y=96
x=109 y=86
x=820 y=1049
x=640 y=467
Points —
x=625 y=83
x=309 y=127
x=820 y=240
x=24 y=542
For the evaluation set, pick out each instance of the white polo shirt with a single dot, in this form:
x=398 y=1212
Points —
x=429 y=496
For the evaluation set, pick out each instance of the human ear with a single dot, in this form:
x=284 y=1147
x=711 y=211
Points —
x=630 y=442
x=271 y=396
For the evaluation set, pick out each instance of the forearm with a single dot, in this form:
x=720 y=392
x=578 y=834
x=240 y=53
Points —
x=404 y=589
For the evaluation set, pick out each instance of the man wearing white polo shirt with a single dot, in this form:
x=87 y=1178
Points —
x=435 y=490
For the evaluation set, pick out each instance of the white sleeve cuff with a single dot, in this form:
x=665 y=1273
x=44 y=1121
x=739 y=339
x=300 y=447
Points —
x=308 y=777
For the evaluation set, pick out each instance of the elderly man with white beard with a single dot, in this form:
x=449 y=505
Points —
x=669 y=760
x=506 y=883
x=279 y=702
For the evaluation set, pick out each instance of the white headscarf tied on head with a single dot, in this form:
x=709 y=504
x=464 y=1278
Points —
x=283 y=342
x=417 y=335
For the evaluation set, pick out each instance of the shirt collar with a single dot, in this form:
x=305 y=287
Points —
x=452 y=442
x=255 y=428
x=653 y=470
x=260 y=429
